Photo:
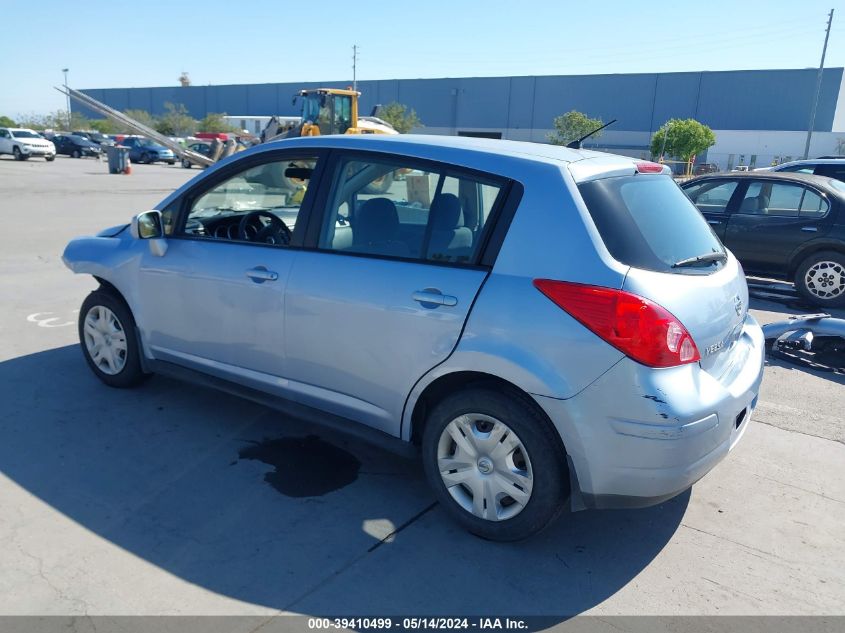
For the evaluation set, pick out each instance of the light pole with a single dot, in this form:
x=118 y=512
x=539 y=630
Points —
x=65 y=71
x=818 y=88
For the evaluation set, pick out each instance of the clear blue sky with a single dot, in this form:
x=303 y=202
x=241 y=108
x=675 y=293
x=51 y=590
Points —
x=111 y=43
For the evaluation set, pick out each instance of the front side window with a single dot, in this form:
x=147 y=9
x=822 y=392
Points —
x=712 y=196
x=261 y=204
x=395 y=208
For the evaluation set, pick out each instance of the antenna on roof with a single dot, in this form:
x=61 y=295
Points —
x=577 y=144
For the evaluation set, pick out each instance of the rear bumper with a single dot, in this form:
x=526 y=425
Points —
x=638 y=436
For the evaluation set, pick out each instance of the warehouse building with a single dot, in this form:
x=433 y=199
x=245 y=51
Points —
x=759 y=116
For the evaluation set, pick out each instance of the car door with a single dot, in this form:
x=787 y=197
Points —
x=5 y=142
x=384 y=293
x=712 y=196
x=773 y=219
x=215 y=300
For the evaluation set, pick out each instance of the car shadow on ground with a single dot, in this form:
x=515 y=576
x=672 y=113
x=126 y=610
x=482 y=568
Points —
x=229 y=496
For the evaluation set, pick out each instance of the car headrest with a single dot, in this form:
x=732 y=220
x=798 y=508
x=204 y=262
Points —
x=446 y=213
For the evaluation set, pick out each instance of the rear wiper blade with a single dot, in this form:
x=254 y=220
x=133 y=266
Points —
x=707 y=258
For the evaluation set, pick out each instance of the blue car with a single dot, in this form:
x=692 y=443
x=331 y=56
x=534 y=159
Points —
x=545 y=327
x=143 y=150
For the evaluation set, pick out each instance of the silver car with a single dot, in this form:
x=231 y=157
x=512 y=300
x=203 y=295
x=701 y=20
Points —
x=546 y=327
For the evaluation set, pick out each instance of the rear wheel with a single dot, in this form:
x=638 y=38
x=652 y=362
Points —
x=76 y=154
x=145 y=158
x=186 y=163
x=495 y=464
x=821 y=279
x=107 y=335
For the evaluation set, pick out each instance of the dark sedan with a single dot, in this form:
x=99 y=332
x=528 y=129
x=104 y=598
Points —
x=75 y=146
x=200 y=148
x=784 y=225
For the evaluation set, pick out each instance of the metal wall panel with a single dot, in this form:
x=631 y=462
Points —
x=735 y=100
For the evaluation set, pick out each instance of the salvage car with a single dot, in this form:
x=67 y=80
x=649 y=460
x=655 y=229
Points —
x=143 y=150
x=24 y=144
x=76 y=146
x=546 y=326
x=785 y=225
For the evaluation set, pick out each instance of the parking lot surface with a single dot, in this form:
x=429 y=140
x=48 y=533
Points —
x=173 y=499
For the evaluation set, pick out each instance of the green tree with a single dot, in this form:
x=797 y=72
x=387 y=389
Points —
x=214 y=122
x=7 y=122
x=141 y=116
x=104 y=126
x=682 y=138
x=176 y=121
x=572 y=126
x=400 y=117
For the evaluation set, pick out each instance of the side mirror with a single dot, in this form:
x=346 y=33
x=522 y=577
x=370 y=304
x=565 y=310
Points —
x=148 y=226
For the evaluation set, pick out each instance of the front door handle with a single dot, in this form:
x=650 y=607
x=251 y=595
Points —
x=431 y=298
x=260 y=274
x=714 y=221
x=809 y=229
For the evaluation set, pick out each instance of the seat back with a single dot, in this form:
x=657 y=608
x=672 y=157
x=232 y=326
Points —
x=449 y=237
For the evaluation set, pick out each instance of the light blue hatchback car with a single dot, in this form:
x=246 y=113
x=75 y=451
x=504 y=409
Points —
x=547 y=327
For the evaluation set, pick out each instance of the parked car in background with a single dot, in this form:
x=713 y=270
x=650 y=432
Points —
x=201 y=148
x=75 y=146
x=23 y=144
x=705 y=168
x=143 y=150
x=784 y=224
x=95 y=137
x=545 y=324
x=830 y=167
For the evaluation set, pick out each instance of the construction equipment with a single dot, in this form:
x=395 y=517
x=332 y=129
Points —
x=324 y=111
x=328 y=111
x=132 y=124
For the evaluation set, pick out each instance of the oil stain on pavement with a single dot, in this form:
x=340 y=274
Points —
x=304 y=466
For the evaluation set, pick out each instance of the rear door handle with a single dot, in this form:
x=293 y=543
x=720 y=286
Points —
x=431 y=298
x=809 y=229
x=260 y=274
x=714 y=221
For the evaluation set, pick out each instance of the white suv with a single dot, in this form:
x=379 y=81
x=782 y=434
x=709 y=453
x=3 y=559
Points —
x=22 y=144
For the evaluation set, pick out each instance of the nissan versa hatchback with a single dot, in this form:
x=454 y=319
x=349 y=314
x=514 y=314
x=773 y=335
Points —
x=548 y=327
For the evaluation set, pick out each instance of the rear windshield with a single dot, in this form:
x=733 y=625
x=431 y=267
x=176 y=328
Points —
x=648 y=222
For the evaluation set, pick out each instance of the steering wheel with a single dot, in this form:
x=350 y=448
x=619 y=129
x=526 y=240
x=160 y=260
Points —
x=276 y=232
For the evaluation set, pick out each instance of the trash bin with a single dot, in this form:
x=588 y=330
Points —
x=118 y=158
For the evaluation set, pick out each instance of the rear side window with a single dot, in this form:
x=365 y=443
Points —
x=648 y=222
x=398 y=208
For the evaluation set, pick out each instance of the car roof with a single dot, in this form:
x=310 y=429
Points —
x=810 y=161
x=542 y=152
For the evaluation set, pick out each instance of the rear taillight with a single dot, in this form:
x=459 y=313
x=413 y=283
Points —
x=637 y=327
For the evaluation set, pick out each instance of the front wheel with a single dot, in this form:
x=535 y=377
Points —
x=50 y=159
x=821 y=279
x=17 y=153
x=109 y=344
x=186 y=163
x=76 y=154
x=495 y=463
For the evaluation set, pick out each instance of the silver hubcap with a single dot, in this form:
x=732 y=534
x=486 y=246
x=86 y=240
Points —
x=105 y=340
x=825 y=280
x=485 y=467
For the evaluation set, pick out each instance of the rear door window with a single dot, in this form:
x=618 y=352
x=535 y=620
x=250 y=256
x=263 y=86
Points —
x=648 y=222
x=397 y=207
x=770 y=198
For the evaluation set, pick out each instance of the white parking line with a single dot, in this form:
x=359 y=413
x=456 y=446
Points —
x=42 y=320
